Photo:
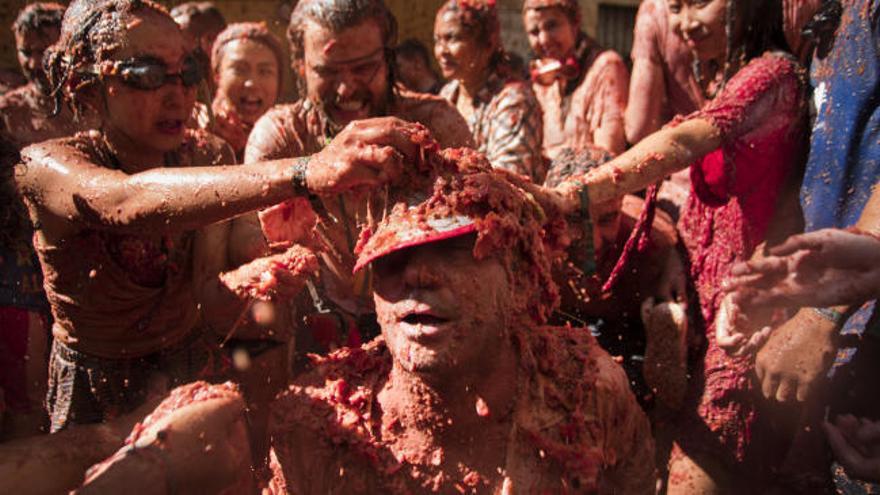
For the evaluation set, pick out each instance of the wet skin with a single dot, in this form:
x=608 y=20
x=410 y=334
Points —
x=441 y=310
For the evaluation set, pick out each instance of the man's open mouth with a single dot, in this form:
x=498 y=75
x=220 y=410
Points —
x=424 y=319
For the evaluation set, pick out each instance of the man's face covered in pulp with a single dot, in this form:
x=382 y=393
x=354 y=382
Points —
x=441 y=310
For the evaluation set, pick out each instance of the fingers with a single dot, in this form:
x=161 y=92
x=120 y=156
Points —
x=788 y=389
x=811 y=241
x=389 y=131
x=769 y=384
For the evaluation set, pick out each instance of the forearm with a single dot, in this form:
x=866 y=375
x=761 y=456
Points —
x=653 y=159
x=188 y=198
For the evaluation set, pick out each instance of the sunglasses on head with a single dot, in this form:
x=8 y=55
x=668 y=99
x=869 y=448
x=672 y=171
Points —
x=150 y=73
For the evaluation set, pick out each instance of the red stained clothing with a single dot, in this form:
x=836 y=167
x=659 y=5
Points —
x=761 y=116
x=654 y=40
x=575 y=111
x=122 y=294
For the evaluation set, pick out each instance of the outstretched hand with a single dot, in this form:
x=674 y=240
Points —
x=740 y=333
x=824 y=268
x=365 y=155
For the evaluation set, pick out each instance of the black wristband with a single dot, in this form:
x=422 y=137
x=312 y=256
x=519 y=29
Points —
x=298 y=180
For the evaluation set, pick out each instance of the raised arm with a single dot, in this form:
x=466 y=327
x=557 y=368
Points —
x=648 y=162
x=64 y=182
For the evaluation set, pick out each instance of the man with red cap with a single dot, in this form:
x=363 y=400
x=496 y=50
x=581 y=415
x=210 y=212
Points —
x=465 y=389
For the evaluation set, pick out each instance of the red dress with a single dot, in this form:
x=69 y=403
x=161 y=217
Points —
x=761 y=115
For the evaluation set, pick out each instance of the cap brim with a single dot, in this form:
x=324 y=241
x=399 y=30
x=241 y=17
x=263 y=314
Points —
x=402 y=235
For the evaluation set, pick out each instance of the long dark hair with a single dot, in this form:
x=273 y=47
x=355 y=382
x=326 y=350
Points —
x=761 y=30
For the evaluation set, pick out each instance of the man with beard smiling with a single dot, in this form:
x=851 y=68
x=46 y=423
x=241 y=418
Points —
x=341 y=53
x=27 y=113
x=465 y=390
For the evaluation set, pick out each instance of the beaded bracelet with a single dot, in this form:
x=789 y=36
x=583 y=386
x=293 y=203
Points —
x=831 y=315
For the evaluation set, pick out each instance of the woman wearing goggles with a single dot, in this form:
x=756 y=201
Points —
x=131 y=217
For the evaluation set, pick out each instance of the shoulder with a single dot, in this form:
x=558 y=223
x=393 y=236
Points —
x=342 y=381
x=285 y=112
x=448 y=126
x=413 y=105
x=517 y=90
x=767 y=71
x=608 y=60
x=282 y=130
x=88 y=142
x=447 y=92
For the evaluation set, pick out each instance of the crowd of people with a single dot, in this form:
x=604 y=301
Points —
x=573 y=274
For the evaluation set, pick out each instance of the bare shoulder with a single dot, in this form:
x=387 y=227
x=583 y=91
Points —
x=448 y=126
x=282 y=132
x=609 y=60
x=81 y=147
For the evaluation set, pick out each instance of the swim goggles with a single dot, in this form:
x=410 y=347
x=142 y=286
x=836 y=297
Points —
x=150 y=73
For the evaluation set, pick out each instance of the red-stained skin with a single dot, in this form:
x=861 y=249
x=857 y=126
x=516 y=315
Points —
x=247 y=80
x=434 y=302
x=30 y=47
x=701 y=24
x=148 y=123
x=551 y=33
x=345 y=71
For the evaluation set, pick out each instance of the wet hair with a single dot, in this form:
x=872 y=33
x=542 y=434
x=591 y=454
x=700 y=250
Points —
x=38 y=16
x=571 y=8
x=412 y=48
x=202 y=17
x=256 y=31
x=338 y=15
x=91 y=30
